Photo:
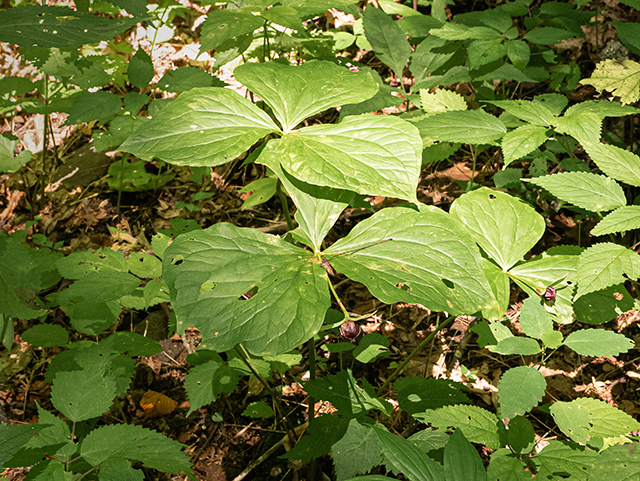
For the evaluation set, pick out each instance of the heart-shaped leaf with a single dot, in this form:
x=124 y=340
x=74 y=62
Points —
x=239 y=285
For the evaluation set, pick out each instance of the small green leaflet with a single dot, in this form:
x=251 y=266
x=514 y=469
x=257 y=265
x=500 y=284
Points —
x=602 y=265
x=598 y=342
x=520 y=389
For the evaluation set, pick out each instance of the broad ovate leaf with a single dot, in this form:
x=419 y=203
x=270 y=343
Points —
x=618 y=163
x=367 y=154
x=522 y=141
x=318 y=207
x=464 y=126
x=620 y=220
x=478 y=425
x=598 y=342
x=602 y=265
x=202 y=127
x=295 y=93
x=620 y=77
x=593 y=192
x=504 y=226
x=239 y=285
x=530 y=111
x=387 y=39
x=425 y=257
x=520 y=389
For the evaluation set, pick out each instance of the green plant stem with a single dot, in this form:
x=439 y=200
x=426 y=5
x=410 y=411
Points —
x=245 y=358
x=340 y=304
x=473 y=169
x=404 y=363
x=285 y=206
x=313 y=467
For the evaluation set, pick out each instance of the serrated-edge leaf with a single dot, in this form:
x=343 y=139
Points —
x=618 y=163
x=202 y=127
x=593 y=192
x=136 y=443
x=620 y=220
x=598 y=342
x=563 y=457
x=602 y=265
x=520 y=389
x=357 y=451
x=620 y=77
x=533 y=112
x=464 y=126
x=522 y=141
x=478 y=425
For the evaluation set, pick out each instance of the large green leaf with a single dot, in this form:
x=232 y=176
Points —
x=581 y=126
x=620 y=77
x=587 y=418
x=533 y=112
x=598 y=342
x=225 y=24
x=478 y=425
x=617 y=463
x=387 y=39
x=357 y=452
x=618 y=163
x=620 y=220
x=295 y=93
x=505 y=227
x=522 y=141
x=461 y=460
x=209 y=272
x=592 y=192
x=404 y=457
x=318 y=207
x=464 y=126
x=602 y=265
x=45 y=26
x=429 y=260
x=368 y=154
x=202 y=127
x=520 y=389
x=569 y=460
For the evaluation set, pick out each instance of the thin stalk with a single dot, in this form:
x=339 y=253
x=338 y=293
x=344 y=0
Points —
x=340 y=304
x=285 y=206
x=473 y=170
x=404 y=363
x=313 y=467
x=123 y=160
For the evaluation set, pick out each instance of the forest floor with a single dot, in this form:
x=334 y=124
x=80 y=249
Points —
x=83 y=212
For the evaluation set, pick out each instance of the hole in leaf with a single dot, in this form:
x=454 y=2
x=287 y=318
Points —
x=177 y=260
x=404 y=287
x=491 y=196
x=249 y=294
x=448 y=283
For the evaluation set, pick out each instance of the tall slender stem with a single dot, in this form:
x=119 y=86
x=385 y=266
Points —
x=404 y=363
x=285 y=205
x=473 y=169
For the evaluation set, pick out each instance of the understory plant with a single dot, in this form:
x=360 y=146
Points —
x=257 y=297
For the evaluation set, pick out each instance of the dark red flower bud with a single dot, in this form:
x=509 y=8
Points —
x=550 y=294
x=350 y=331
